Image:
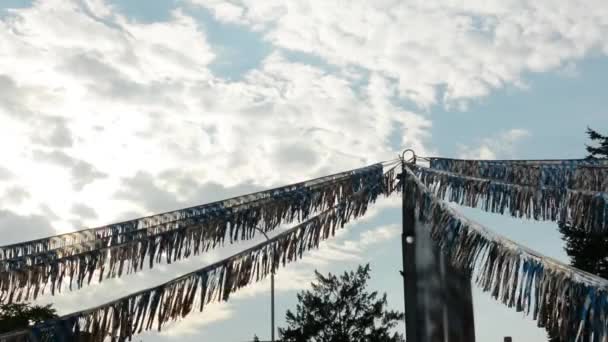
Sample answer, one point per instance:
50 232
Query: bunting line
593 178
577 174
167 221
568 301
154 307
585 209
120 232
26 282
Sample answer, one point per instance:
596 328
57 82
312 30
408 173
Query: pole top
412 159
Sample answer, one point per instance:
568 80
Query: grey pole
271 290
438 302
408 254
272 305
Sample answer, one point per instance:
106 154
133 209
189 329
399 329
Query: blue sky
114 109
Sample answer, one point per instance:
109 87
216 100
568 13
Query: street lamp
271 289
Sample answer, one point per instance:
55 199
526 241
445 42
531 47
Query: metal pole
438 302
408 254
271 288
272 305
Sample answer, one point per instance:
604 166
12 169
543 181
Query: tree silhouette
588 252
16 316
19 316
340 309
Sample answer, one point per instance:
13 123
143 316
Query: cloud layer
107 123
438 51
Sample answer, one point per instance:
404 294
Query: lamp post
271 290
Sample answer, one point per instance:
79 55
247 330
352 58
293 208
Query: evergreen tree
601 151
339 309
587 252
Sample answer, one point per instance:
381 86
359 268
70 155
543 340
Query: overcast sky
116 109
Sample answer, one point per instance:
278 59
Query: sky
115 109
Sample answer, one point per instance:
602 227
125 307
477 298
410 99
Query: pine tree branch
602 150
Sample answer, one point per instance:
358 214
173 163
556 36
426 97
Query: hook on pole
412 159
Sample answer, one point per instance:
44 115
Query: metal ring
412 159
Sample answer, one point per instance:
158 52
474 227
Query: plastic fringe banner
568 301
585 209
555 173
593 178
30 281
123 231
153 308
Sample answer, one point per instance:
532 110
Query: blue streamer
548 173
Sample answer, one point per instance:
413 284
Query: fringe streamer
25 282
553 173
568 301
585 209
321 188
153 308
120 232
593 178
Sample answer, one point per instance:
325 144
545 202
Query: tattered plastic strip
585 209
297 200
570 302
593 178
448 164
118 232
173 300
557 173
36 251
25 282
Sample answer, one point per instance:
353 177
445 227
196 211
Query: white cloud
196 322
440 50
14 227
351 250
136 123
140 100
502 146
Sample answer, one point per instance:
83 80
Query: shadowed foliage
16 316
